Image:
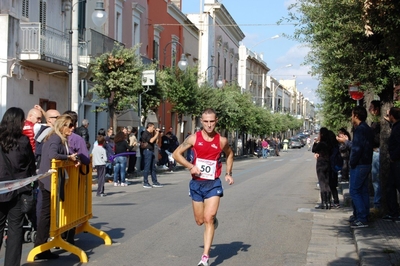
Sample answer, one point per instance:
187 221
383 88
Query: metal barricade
70 207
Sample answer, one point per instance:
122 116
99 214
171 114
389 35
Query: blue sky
257 19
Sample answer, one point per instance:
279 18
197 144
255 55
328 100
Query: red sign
355 93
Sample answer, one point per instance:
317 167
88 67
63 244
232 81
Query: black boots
325 201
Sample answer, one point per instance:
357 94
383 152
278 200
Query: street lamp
182 64
99 17
220 82
270 38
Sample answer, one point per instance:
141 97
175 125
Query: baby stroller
29 225
171 161
29 230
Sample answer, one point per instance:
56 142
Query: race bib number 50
207 168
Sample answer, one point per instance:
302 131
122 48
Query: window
31 87
156 48
25 8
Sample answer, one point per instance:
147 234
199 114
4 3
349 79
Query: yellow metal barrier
74 211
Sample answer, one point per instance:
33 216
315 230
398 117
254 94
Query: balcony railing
39 42
99 43
52 45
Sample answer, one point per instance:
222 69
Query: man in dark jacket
84 132
393 182
360 166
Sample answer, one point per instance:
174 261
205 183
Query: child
99 162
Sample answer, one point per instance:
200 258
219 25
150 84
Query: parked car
302 138
295 143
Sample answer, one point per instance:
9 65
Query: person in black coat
17 156
323 150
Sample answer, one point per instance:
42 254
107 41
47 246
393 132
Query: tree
352 41
181 89
117 77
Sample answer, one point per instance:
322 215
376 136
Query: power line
222 25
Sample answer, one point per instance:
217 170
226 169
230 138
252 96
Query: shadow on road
223 252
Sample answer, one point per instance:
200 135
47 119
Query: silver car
295 143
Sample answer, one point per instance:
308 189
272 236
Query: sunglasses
69 126
55 117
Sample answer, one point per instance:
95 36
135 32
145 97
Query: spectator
84 132
393 182
34 116
99 163
76 144
148 140
375 111
174 143
51 116
133 143
322 149
344 139
54 147
360 167
121 146
165 146
17 161
264 145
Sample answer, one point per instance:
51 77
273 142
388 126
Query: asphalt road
259 222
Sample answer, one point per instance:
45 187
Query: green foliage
350 41
181 89
117 78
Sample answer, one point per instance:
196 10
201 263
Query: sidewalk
378 244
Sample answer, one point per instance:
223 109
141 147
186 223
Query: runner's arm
229 160
178 154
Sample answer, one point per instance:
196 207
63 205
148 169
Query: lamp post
182 64
270 38
220 82
99 17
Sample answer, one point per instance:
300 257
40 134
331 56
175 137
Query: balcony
45 45
50 47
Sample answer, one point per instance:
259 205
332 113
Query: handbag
27 202
27 199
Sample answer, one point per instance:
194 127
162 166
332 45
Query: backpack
39 143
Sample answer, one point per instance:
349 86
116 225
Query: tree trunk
111 112
384 161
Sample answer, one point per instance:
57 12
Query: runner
205 188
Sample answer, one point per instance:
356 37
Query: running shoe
116 184
157 185
147 185
204 261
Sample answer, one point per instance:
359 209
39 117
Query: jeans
11 210
359 191
393 184
120 168
376 182
149 166
264 153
